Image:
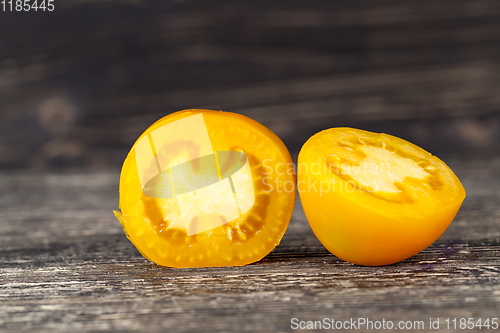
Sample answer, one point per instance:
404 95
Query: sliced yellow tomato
375 199
195 190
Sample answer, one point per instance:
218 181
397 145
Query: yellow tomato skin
369 238
240 242
366 229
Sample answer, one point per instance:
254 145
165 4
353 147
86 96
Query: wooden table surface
77 88
79 85
67 265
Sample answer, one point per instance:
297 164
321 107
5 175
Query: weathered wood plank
77 87
65 264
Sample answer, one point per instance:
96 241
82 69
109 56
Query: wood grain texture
65 264
78 85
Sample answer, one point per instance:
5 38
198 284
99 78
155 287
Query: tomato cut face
194 190
374 199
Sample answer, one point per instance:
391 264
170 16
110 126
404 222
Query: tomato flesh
374 199
192 192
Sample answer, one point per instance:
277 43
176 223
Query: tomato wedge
195 190
375 199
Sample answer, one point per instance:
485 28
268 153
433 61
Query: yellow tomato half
375 199
206 188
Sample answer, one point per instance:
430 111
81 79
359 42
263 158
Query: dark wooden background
78 86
